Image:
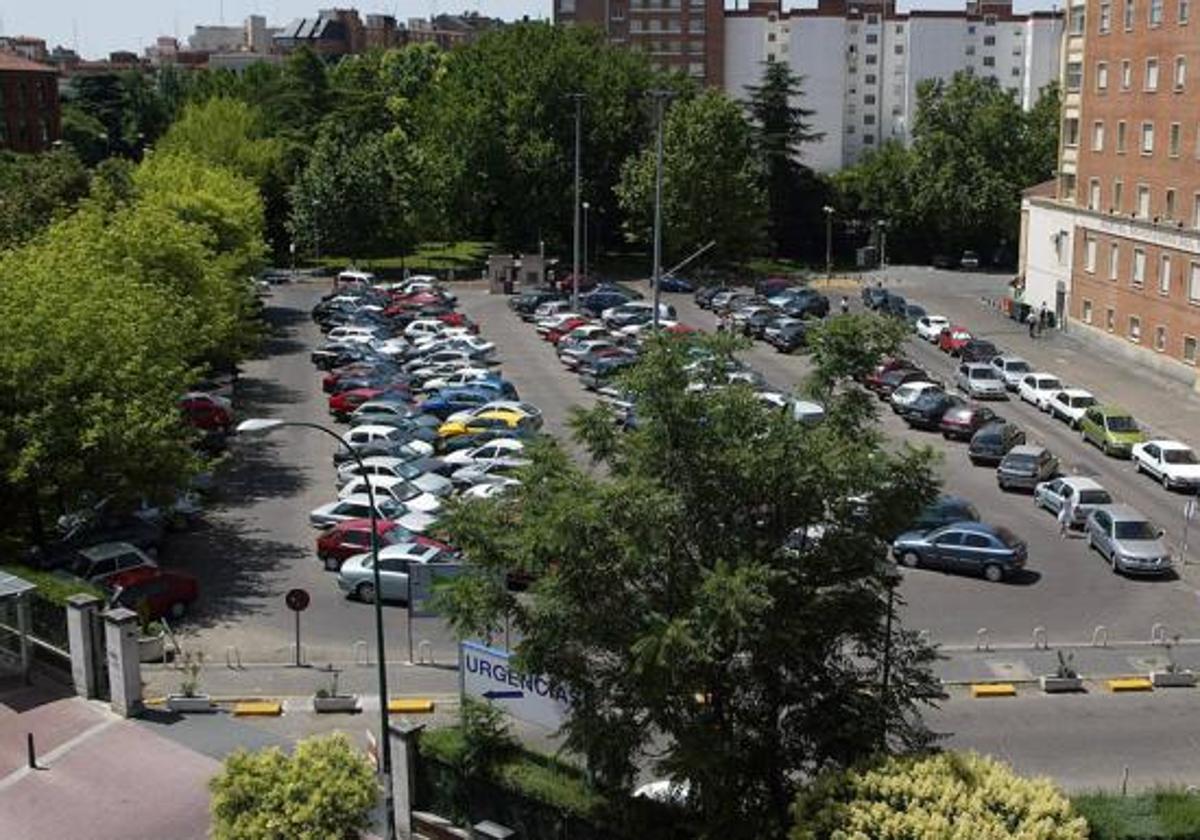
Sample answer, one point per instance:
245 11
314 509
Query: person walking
845 305
1032 321
1066 515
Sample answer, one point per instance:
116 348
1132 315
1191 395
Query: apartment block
1126 205
30 116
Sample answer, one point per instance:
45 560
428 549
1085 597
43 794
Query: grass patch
52 587
1166 814
531 774
469 257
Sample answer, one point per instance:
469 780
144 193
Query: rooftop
12 61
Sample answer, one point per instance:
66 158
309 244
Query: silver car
981 381
1011 369
1086 495
1128 541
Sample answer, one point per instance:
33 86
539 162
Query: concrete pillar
124 665
405 735
81 639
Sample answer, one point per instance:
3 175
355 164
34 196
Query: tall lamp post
263 426
883 226
660 101
578 97
828 240
586 207
317 233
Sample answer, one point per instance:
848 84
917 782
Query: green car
1112 429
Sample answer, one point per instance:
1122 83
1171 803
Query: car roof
102 551
374 428
1043 374
1077 392
382 461
971 525
1124 512
1082 482
1027 449
357 498
364 524
1163 443
1114 410
385 481
977 365
1008 357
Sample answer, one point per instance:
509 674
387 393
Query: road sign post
297 601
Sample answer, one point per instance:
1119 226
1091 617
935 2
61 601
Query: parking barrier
363 658
425 652
981 639
233 658
1039 638
1158 633
1100 636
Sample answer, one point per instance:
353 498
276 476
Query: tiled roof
12 61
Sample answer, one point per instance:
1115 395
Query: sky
98 27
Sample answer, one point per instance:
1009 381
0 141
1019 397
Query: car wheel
365 592
1166 481
993 573
177 610
1104 448
910 559
1037 500
1137 466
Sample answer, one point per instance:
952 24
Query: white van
354 279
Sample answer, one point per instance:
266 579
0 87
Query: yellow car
500 418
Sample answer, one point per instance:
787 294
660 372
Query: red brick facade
29 107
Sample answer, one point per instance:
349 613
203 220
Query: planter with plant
189 698
1065 678
152 640
328 699
1172 676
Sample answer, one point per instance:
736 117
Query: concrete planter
1172 679
1061 685
152 648
337 703
196 703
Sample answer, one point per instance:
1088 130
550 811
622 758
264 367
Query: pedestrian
1066 515
720 323
1043 318
845 305
1032 321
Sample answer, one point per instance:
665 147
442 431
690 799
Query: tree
227 132
945 795
781 128
711 182
34 189
666 602
323 791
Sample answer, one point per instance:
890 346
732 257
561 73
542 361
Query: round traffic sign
297 600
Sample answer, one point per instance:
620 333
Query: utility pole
660 100
828 240
586 207
578 97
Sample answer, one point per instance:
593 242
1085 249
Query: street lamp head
258 426
828 209
586 206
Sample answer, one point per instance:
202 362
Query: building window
989 20
990 40
1094 194
1160 339
1016 71
872 58
1114 259
1120 137
635 25
1126 74
869 99
1105 23
898 49
1180 72
1128 15
1110 319
869 79
1098 136
970 49
1147 138
868 119
696 26
1089 254
1086 313
1196 211
1169 203
1194 283
1164 275
868 139
1074 74
989 61
1143 201
1101 76
872 38
696 68
1189 350
1076 19
1151 74
1139 267
872 20
1173 140
1118 195
1183 11
1135 328
1067 180
1156 12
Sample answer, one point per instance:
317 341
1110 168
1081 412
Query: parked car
671 283
1084 493
515 422
1128 541
873 296
98 563
1070 404
526 409
962 422
419 472
894 305
1012 369
207 412
980 381
806 303
992 442
1025 466
910 392
152 593
893 379
952 339
914 313
705 295
525 303
927 410
964 547
356 577
873 379
978 350
393 487
787 336
1173 463
353 536
945 510
506 450
1038 389
930 327
969 260
354 507
1112 429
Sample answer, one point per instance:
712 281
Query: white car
551 307
1070 404
929 327
572 355
498 486
526 409
544 325
1039 388
1086 494
1011 369
393 487
636 330
910 392
502 449
417 522
1171 462
397 346
429 327
360 436
354 507
387 465
482 472
458 379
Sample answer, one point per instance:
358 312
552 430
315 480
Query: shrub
323 791
948 795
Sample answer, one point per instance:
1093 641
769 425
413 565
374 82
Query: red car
555 335
343 404
874 379
207 412
952 339
157 592
353 536
457 319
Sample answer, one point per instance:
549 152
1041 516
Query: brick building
684 35
1125 214
29 109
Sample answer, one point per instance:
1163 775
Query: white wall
1047 264
745 51
1043 40
817 50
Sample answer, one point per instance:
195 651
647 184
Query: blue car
449 400
500 389
670 283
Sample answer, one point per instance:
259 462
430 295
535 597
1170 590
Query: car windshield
389 509
407 470
1135 530
1121 423
1082 402
1021 461
1046 383
1179 456
1094 497
1016 367
983 373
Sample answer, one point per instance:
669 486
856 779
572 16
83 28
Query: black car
927 411
894 305
978 350
893 379
756 325
789 337
805 303
944 261
773 286
913 313
992 442
705 294
945 510
93 530
874 296
525 302
596 302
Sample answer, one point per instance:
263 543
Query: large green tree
691 639
34 189
712 182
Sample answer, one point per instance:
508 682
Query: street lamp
828 211
882 225
586 207
317 232
660 100
261 426
578 97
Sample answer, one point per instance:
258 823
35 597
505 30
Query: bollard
981 641
1039 638
365 658
425 652
1100 636
33 765
233 658
1158 634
